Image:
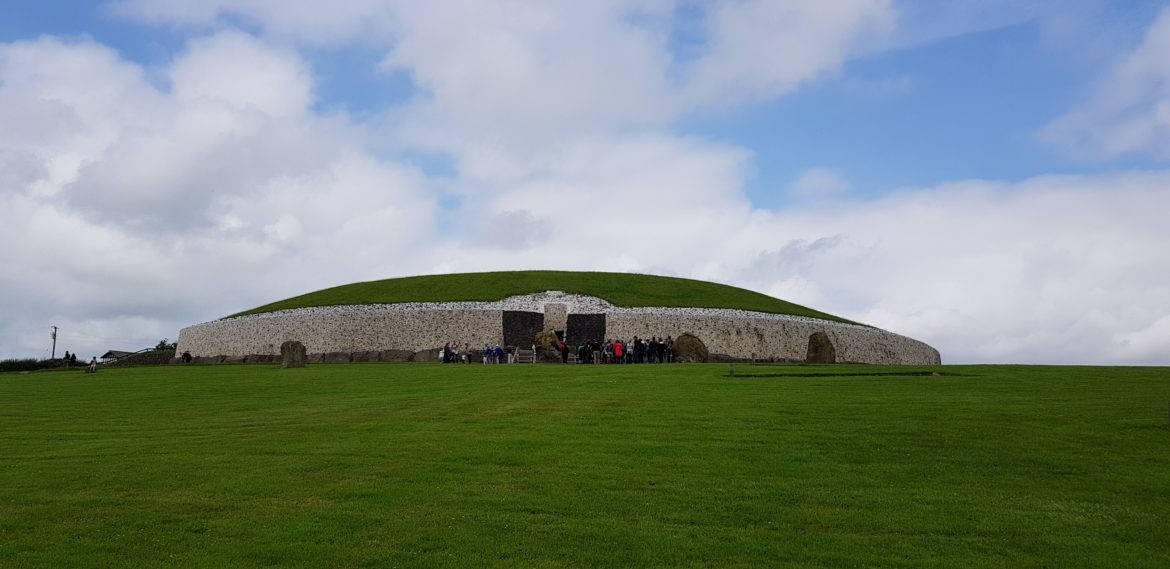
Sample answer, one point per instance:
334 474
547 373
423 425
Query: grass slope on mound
621 289
423 465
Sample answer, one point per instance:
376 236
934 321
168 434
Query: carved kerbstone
547 346
395 355
336 357
366 356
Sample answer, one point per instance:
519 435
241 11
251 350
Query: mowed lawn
401 465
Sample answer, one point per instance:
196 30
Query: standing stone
556 316
292 354
689 348
820 349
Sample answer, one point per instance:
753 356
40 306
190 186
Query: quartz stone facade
415 327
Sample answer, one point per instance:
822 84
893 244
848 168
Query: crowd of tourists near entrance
452 354
639 351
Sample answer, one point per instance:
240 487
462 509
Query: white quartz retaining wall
323 331
423 326
744 335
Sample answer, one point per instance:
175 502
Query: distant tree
163 345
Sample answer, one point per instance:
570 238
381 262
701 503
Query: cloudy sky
989 176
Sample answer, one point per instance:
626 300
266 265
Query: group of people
71 360
653 350
639 351
451 354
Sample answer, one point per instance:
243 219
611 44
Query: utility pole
54 336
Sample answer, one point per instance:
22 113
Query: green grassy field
621 289
421 465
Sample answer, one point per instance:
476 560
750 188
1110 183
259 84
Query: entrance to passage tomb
820 349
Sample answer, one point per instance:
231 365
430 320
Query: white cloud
138 209
819 182
237 70
1129 113
307 20
925 21
760 49
518 67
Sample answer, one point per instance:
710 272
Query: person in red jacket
618 351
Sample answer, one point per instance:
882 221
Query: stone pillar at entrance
556 316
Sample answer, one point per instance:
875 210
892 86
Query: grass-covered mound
621 289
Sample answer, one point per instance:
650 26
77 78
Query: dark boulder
547 347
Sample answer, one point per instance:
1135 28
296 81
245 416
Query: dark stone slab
395 355
260 359
582 327
521 328
426 356
820 349
234 359
207 359
364 357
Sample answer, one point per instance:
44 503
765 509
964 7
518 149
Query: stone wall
415 327
745 335
330 331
